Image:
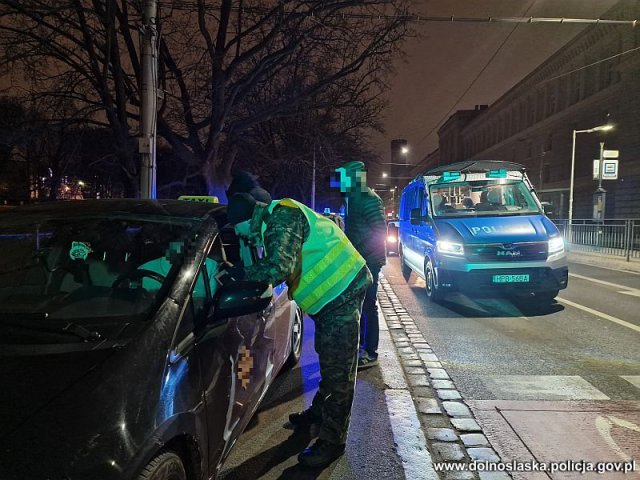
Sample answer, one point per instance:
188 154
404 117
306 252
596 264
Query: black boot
321 454
306 418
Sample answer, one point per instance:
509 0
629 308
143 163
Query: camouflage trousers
337 342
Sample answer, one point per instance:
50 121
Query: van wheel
406 270
433 292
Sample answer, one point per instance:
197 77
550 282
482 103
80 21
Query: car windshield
85 278
482 198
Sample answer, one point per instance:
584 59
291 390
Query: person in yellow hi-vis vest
328 279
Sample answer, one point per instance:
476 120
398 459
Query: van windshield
482 198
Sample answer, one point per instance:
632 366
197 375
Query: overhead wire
602 60
184 5
473 82
518 20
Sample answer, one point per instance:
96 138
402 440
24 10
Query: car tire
165 466
297 333
406 270
433 292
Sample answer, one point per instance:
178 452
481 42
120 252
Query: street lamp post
600 128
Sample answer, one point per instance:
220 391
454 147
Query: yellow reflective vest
329 261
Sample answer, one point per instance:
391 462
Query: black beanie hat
242 182
261 195
240 208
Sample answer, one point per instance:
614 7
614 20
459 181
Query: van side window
422 202
406 203
411 202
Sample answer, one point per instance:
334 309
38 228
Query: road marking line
632 379
600 314
605 424
602 282
633 294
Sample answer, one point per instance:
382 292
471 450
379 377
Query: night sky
441 65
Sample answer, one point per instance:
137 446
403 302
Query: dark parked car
125 353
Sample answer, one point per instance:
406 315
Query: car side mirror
416 216
241 298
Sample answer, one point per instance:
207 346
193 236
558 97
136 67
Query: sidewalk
454 437
601 260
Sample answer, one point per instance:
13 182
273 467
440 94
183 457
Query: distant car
124 353
391 241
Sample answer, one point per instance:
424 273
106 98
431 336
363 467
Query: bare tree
226 69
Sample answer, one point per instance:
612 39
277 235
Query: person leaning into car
328 279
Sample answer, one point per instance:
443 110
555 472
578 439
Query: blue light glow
175 374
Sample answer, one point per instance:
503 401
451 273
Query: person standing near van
366 227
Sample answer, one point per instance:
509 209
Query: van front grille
506 252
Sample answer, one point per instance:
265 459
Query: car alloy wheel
297 332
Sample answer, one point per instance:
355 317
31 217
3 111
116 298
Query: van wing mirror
416 216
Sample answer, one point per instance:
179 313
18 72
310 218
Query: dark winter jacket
365 226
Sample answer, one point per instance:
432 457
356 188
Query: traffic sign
609 169
611 154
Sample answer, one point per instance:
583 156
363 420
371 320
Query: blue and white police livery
478 225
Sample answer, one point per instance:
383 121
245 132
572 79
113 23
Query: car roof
476 166
125 207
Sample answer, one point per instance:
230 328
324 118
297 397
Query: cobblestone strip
453 435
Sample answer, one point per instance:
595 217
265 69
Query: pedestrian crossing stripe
541 387
632 379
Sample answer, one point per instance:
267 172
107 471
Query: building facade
591 81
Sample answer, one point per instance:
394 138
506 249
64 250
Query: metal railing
619 238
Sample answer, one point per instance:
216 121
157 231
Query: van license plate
510 278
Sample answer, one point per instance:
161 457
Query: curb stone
453 435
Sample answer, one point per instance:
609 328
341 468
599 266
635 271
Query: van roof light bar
499 173
477 166
448 176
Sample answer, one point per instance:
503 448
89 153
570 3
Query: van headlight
450 248
556 245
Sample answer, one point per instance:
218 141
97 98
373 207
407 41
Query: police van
478 225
